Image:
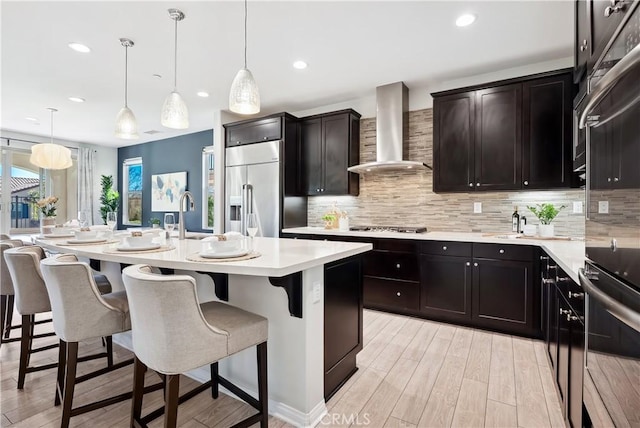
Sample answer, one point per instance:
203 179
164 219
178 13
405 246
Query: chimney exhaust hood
392 130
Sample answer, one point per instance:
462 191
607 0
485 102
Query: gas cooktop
402 229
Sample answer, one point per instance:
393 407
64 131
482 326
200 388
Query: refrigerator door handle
247 206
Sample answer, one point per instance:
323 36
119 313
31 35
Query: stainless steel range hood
392 130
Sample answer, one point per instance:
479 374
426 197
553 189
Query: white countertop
569 255
279 257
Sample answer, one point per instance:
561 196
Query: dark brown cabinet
342 321
446 287
254 131
330 144
508 135
547 132
582 47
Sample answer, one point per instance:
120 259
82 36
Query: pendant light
126 124
50 155
244 97
174 110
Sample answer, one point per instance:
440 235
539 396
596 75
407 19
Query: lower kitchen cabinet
392 294
503 295
445 291
342 321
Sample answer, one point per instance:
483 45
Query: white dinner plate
208 254
87 241
58 235
124 247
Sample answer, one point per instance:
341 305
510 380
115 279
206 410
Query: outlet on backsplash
477 207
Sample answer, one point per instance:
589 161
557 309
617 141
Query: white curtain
86 167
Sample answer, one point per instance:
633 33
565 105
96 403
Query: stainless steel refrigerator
253 183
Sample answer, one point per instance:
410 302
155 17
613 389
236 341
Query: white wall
420 98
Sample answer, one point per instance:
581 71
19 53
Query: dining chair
174 333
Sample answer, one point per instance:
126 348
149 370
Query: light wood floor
412 373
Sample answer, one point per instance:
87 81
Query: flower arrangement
48 206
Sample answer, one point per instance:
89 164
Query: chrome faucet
191 207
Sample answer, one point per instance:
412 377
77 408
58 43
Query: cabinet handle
616 179
501 251
572 317
475 264
553 267
398 266
317 190
526 183
564 311
576 295
563 279
477 184
444 248
548 281
609 179
265 138
470 184
614 244
468 263
611 10
544 258
583 46
398 294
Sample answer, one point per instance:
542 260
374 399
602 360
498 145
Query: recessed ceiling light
76 99
79 47
203 94
31 119
300 65
466 19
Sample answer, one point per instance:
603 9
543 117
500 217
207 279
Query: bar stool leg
62 364
109 340
69 383
139 370
3 314
9 316
215 380
24 350
171 401
32 327
263 396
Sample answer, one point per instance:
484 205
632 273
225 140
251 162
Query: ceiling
351 47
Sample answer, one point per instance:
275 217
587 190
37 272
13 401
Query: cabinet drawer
387 264
395 245
503 252
254 132
447 248
391 294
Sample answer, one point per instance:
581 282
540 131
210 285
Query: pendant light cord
51 125
175 58
126 72
245 34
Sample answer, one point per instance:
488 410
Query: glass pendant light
244 97
126 124
174 110
50 155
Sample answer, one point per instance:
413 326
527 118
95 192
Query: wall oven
610 113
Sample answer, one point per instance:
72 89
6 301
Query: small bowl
86 234
224 246
139 241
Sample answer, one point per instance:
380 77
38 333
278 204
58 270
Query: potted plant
329 220
109 198
47 207
154 222
546 213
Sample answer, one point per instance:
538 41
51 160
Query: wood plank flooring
413 373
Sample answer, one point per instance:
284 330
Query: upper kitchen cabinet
582 51
509 135
330 143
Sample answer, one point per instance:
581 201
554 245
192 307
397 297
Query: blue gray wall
176 154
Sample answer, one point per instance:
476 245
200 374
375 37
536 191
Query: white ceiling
351 47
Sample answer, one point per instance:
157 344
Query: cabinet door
564 341
453 142
503 295
547 126
312 154
576 371
605 18
446 287
498 138
552 343
254 131
625 149
582 40
335 133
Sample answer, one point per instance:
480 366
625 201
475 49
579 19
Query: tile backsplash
407 199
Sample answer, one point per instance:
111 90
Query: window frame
208 164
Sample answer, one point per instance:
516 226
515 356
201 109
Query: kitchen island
310 291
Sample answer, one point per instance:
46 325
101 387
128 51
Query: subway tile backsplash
407 198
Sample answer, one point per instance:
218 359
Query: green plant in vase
109 197
546 213
154 222
329 220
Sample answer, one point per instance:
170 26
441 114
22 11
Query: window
132 191
208 186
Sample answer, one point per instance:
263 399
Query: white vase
47 224
546 230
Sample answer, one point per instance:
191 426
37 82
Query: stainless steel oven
611 115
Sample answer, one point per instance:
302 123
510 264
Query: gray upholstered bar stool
7 295
31 298
81 312
173 333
